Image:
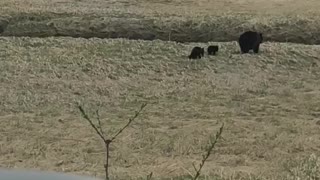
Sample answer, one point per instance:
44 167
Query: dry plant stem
106 165
91 123
130 121
101 133
149 176
209 149
99 121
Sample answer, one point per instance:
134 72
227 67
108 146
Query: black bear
196 52
250 40
212 50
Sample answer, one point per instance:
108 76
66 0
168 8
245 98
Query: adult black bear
250 40
212 50
196 52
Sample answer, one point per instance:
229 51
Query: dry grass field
269 102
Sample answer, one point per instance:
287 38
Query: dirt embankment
296 29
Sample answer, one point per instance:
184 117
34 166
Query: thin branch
99 123
106 141
149 176
209 149
91 123
106 166
129 122
194 167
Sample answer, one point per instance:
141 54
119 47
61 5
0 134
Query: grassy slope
183 21
269 102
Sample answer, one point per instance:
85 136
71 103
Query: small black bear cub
250 40
212 50
196 52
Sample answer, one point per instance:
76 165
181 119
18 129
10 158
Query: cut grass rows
187 21
218 27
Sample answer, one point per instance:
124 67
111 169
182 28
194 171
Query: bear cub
212 50
250 40
196 52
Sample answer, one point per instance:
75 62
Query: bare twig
194 167
91 123
99 122
149 176
129 122
106 165
100 132
212 144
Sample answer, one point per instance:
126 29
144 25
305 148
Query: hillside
55 54
268 102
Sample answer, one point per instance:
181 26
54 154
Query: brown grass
268 102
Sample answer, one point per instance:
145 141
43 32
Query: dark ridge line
144 39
